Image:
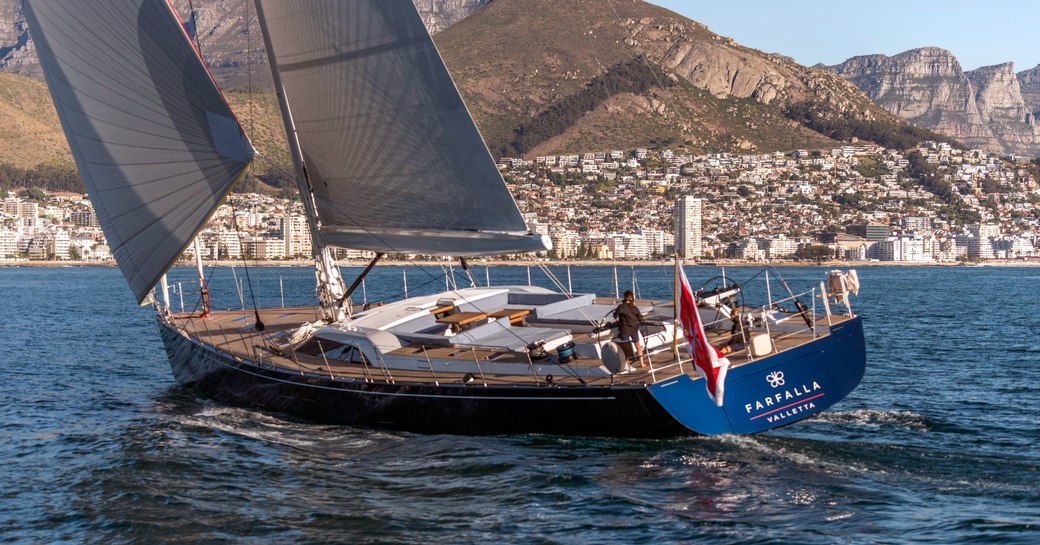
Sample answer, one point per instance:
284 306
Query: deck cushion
501 335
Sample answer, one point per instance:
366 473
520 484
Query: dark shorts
628 337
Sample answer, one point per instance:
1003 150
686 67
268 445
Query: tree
869 167
829 121
849 200
634 76
814 252
921 169
34 194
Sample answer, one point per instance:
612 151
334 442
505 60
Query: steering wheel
719 284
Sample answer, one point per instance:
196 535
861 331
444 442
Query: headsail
394 158
155 142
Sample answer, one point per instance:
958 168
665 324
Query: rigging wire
259 325
604 81
559 285
249 72
195 28
245 267
646 60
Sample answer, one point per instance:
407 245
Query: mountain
990 108
542 76
229 45
1029 83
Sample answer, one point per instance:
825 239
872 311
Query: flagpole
675 309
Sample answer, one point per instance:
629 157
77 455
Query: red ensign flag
706 357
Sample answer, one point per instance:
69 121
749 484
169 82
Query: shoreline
529 263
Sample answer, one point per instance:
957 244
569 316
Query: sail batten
351 55
155 141
387 141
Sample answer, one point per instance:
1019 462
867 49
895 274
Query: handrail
326 359
382 364
364 366
762 310
480 371
430 363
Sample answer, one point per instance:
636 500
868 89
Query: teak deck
235 332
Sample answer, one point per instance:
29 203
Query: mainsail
394 159
155 142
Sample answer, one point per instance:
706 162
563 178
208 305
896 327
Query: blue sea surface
937 445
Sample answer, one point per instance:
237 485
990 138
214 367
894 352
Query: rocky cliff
1029 82
986 108
441 14
229 45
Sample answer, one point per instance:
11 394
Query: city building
297 235
870 231
688 227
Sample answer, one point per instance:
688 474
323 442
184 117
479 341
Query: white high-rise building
8 243
688 227
19 208
297 235
658 241
565 242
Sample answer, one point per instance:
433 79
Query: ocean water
938 445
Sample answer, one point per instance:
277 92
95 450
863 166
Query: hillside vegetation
635 76
30 134
34 152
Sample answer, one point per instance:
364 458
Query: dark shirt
629 318
737 332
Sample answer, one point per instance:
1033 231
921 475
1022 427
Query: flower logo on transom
776 379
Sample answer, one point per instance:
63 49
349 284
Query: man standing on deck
629 319
738 334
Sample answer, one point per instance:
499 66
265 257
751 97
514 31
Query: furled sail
394 158
155 142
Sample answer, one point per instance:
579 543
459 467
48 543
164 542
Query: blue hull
774 391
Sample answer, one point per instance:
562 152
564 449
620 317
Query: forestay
156 144
394 158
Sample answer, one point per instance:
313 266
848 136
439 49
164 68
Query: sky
978 32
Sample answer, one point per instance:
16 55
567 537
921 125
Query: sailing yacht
389 160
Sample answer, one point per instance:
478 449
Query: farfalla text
780 397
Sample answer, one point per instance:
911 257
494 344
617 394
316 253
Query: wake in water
193 415
877 419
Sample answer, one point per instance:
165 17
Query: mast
330 286
675 308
